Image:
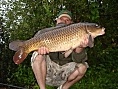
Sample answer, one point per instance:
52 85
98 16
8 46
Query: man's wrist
79 50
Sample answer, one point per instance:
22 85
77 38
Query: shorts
56 74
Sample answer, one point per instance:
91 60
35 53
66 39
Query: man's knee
39 59
81 69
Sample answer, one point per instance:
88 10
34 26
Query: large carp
59 39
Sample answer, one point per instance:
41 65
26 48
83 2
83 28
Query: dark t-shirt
59 58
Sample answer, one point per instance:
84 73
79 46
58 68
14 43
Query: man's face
64 20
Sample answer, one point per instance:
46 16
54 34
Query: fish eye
96 25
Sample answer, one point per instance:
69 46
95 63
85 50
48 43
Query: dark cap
65 13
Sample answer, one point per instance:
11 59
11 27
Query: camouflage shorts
56 74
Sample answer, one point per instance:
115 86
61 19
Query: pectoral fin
68 52
91 41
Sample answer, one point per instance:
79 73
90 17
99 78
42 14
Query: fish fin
49 29
19 56
68 52
14 45
91 41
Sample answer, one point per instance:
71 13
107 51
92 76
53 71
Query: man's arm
78 49
79 54
82 45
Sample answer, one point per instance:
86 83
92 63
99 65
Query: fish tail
19 56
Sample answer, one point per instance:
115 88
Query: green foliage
24 75
24 18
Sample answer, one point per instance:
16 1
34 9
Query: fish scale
58 39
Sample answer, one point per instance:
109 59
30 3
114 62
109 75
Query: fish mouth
103 30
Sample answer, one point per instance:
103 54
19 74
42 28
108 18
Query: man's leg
75 76
39 69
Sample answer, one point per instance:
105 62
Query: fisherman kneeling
55 69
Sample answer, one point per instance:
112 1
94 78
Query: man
54 68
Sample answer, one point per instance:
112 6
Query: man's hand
83 44
43 51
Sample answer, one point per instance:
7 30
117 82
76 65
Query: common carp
60 39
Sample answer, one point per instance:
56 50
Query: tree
23 18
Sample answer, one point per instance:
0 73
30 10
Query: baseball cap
65 13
